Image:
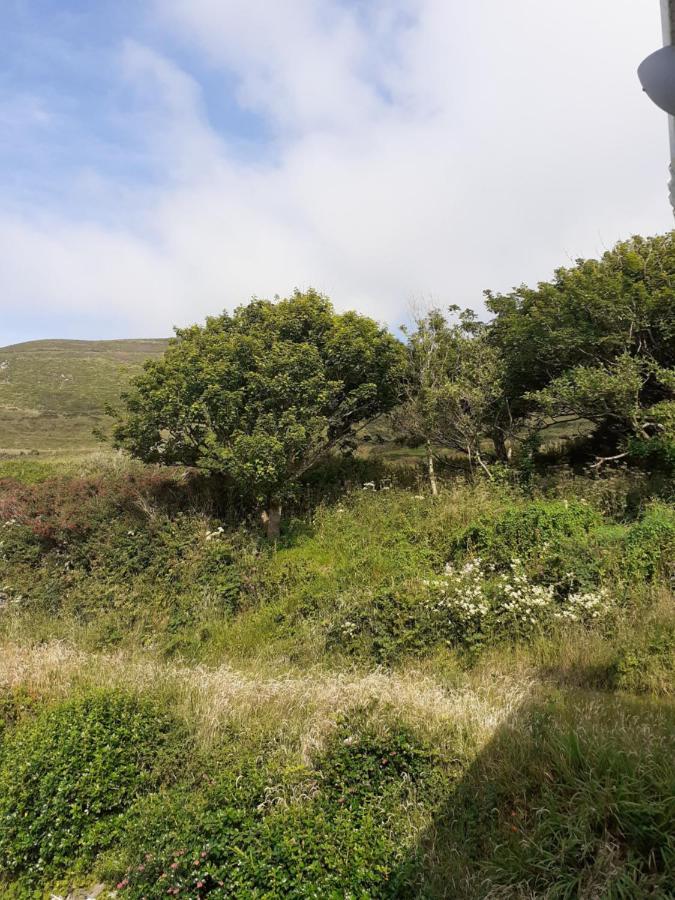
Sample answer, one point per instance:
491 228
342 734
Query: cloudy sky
165 159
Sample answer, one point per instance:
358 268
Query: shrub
62 511
521 531
66 777
470 607
646 663
291 832
657 453
650 544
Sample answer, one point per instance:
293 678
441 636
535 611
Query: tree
618 396
259 396
587 318
454 388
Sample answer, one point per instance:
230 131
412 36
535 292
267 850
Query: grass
53 393
582 775
343 740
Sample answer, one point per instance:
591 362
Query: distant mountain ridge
53 392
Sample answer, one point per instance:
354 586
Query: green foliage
331 832
646 663
657 452
258 810
132 579
261 395
594 311
522 532
357 580
15 704
68 775
454 395
650 544
613 396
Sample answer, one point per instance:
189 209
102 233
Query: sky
164 160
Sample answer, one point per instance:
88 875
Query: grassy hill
53 393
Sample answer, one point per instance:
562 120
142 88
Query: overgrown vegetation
445 679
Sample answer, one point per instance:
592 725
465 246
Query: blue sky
160 161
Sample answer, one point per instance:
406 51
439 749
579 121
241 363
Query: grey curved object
657 76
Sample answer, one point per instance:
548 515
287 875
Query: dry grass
295 708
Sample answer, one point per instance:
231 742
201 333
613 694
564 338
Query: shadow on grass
573 798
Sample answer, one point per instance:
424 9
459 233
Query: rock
85 893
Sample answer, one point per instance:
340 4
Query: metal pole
668 20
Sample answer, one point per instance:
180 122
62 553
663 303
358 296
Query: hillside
53 393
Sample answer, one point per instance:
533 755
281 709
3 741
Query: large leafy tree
259 396
568 344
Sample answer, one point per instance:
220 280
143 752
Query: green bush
646 663
650 544
657 453
68 775
290 832
523 531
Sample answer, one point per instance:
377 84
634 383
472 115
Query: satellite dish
657 76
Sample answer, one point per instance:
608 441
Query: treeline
260 396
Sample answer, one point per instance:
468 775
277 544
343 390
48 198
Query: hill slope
53 393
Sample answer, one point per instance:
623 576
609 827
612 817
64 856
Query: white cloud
419 147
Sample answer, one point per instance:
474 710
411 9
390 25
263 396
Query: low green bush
332 829
523 531
657 453
646 662
472 608
68 775
650 544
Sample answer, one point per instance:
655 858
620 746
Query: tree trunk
271 519
502 451
432 471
